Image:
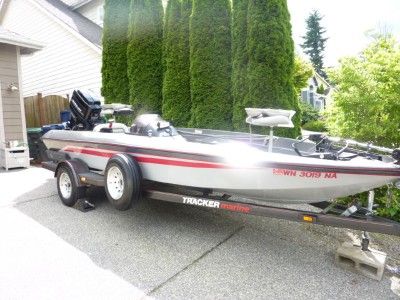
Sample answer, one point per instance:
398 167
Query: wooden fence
40 110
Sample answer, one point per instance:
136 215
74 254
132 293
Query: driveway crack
156 288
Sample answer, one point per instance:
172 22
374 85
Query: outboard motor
85 110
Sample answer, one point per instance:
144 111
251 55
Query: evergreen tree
271 59
314 42
145 55
115 87
176 88
210 59
239 65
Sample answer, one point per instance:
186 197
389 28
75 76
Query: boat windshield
152 125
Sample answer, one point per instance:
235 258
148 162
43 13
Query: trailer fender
77 167
57 156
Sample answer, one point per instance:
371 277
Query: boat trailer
331 217
353 217
366 261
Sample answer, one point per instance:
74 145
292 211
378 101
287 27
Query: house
318 92
13 138
71 32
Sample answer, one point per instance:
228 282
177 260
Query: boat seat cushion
270 117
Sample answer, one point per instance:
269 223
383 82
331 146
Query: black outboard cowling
85 110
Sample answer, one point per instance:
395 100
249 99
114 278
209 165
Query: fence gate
40 110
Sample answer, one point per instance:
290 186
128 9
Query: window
318 105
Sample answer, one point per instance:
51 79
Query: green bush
210 64
176 86
115 85
366 103
321 89
239 63
308 113
316 125
270 65
391 209
303 70
144 55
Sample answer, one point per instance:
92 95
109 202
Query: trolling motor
336 146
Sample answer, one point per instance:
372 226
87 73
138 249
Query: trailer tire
68 191
123 181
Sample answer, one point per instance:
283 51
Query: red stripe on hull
170 162
145 159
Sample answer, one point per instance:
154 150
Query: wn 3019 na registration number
304 174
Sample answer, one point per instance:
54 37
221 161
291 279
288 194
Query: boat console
152 125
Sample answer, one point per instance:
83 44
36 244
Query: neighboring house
12 113
318 93
71 32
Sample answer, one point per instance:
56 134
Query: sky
346 22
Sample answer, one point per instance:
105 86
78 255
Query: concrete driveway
167 251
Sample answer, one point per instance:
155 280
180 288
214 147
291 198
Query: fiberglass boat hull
232 168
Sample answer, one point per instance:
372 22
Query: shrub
115 85
176 87
316 125
210 64
270 66
239 63
308 113
144 55
366 104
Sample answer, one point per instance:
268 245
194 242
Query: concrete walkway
35 262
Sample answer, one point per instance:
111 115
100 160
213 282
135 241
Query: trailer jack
361 258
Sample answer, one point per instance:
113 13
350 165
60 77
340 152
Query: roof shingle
72 3
85 27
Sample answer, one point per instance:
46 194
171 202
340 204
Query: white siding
92 11
64 64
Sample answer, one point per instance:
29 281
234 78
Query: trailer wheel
123 180
66 186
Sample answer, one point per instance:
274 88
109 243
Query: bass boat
263 169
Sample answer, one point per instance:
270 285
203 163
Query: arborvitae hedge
176 86
115 86
271 58
144 54
239 65
210 58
